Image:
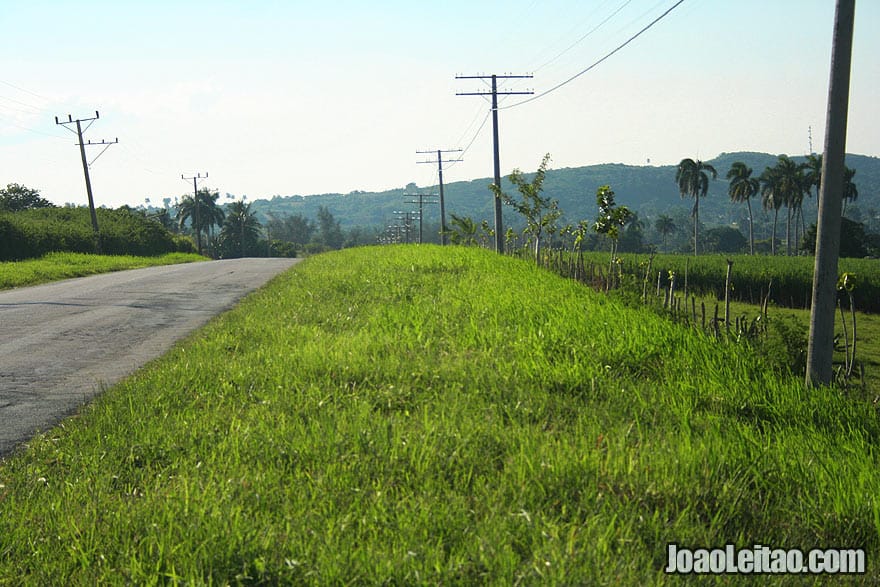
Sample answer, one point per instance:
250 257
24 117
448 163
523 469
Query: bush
31 234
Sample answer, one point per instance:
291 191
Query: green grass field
427 415
55 266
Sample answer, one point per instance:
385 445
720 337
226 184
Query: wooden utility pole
196 224
82 151
499 229
821 340
440 163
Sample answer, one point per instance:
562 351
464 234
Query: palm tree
692 178
203 218
790 190
665 225
850 191
812 178
771 199
741 188
241 230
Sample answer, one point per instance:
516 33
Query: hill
648 190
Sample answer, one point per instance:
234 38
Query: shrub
30 234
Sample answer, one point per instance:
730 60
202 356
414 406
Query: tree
789 187
788 184
692 178
850 191
632 237
462 230
292 228
163 217
240 234
611 217
812 178
771 199
742 188
15 197
724 239
854 239
209 214
329 230
665 225
540 213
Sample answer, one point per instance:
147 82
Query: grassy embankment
55 266
427 415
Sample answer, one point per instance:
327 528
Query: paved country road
63 342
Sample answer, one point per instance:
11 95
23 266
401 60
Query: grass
791 277
55 266
428 415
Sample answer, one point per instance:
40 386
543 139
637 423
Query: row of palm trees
785 184
239 227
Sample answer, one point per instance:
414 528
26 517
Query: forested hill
648 190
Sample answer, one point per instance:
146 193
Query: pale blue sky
314 97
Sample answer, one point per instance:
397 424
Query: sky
298 98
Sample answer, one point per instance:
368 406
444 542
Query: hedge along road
63 342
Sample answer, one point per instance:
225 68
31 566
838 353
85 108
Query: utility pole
406 218
499 230
82 151
420 202
196 224
440 163
820 348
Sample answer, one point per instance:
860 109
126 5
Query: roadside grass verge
55 266
428 415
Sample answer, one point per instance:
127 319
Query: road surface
63 342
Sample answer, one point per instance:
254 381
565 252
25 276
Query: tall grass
414 415
55 266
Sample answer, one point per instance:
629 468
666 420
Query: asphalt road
63 342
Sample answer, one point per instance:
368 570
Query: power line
583 37
476 134
20 89
579 74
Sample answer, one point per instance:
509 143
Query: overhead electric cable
579 74
580 40
474 138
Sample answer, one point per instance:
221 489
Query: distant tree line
31 226
783 186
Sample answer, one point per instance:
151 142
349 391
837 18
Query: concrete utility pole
82 151
421 203
196 224
499 229
820 349
440 163
406 217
